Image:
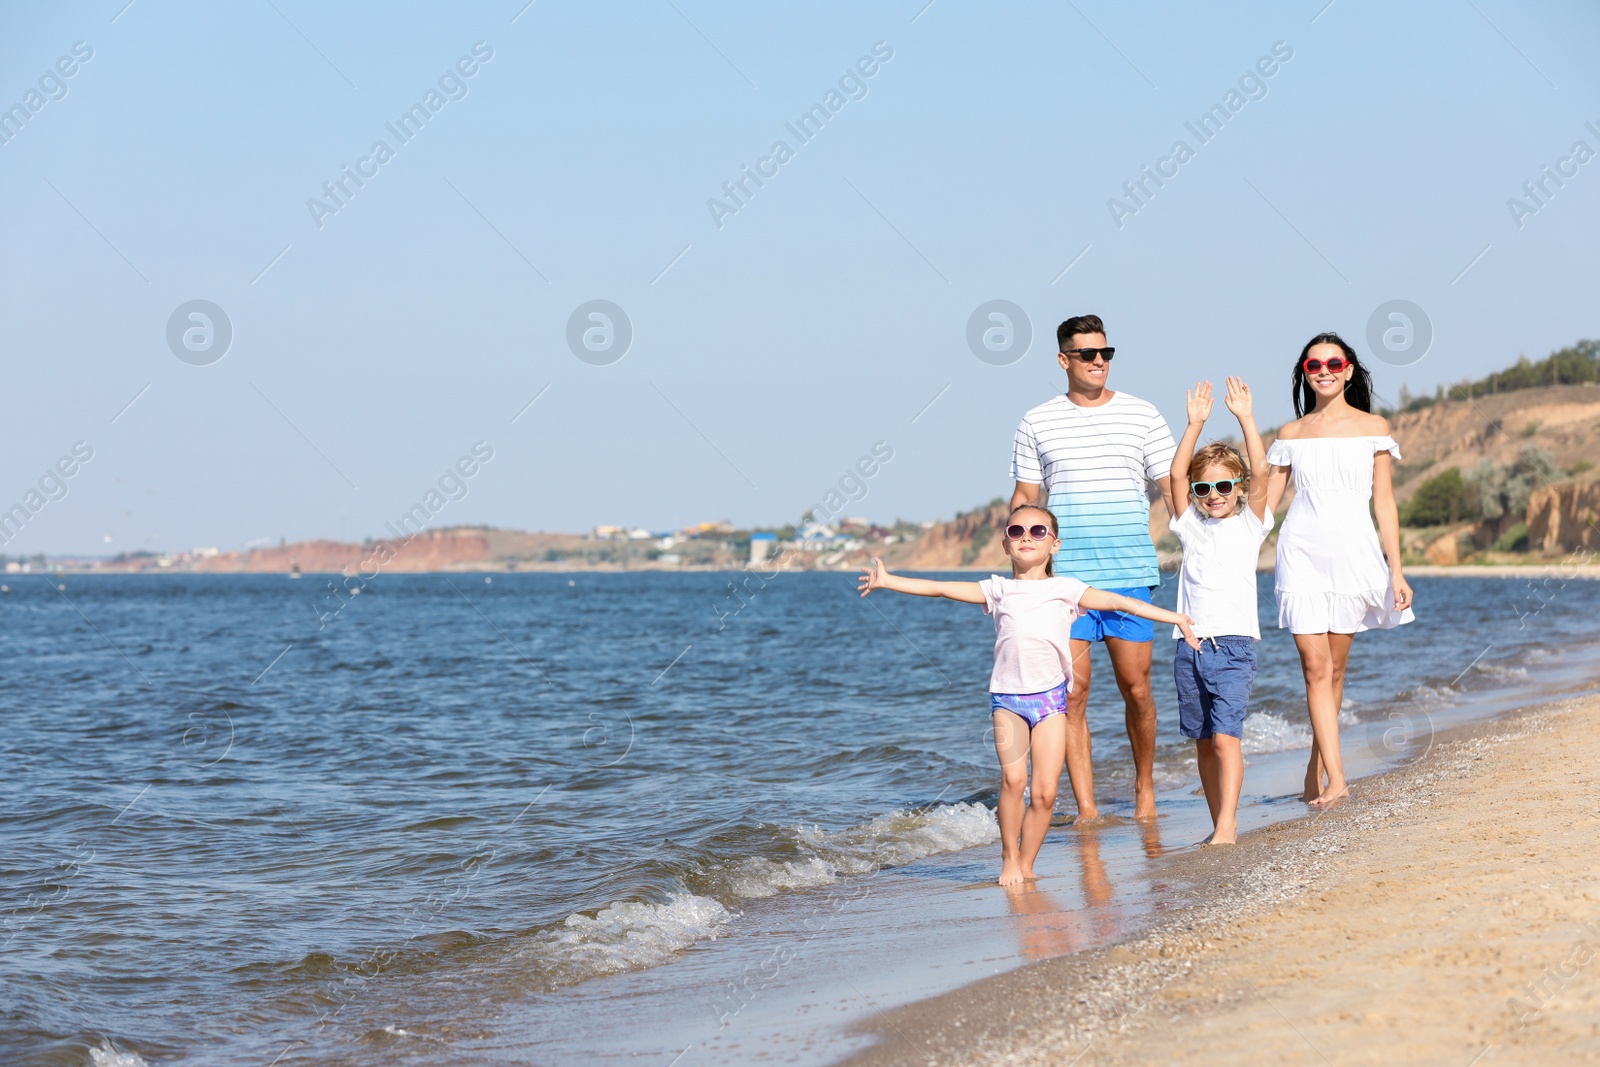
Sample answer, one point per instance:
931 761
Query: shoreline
1542 569
1397 927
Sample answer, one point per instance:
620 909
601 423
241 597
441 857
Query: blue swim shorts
1099 625
1033 708
1214 685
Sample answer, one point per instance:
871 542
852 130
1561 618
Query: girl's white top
1217 585
1332 577
1032 621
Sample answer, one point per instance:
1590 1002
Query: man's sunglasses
1223 488
1336 364
1039 532
1088 354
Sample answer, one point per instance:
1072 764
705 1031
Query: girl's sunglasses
1039 532
1223 488
1336 364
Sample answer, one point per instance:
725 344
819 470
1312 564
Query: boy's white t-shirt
1032 624
1217 585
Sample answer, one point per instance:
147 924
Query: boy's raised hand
872 577
1238 399
1199 403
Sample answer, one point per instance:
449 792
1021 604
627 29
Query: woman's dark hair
1055 528
1357 391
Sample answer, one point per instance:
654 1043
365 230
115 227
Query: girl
1033 611
1332 581
1221 535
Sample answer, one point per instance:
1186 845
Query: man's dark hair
1077 324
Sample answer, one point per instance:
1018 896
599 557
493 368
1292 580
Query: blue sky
768 353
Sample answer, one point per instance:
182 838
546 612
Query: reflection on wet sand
1096 886
1047 929
1043 926
1150 838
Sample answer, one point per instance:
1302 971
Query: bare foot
1313 787
1330 797
1011 873
1085 820
1145 806
1225 834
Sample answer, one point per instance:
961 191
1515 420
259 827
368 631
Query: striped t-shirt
1093 463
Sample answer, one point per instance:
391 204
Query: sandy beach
1449 913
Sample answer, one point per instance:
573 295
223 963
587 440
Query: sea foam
629 935
108 1055
632 935
1265 732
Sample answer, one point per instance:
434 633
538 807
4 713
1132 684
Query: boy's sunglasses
1039 532
1223 488
1087 354
1336 364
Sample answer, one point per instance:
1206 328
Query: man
1088 456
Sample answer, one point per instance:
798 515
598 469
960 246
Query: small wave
891 840
1430 696
108 1055
627 936
1174 774
1499 672
1265 732
756 877
906 836
632 935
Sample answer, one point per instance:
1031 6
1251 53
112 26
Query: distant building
607 533
761 546
816 537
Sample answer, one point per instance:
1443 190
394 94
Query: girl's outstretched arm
877 576
1243 409
1100 600
1198 404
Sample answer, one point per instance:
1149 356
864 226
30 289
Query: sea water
557 818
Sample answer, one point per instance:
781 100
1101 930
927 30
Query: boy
1221 535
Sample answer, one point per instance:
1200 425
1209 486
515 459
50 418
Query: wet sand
1449 913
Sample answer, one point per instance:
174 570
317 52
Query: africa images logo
452 86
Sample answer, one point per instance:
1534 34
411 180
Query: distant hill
1562 512
1563 420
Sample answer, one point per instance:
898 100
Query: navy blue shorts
1099 625
1214 685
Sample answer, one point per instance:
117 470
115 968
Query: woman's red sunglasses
1336 364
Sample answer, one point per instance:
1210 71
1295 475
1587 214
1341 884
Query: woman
1332 581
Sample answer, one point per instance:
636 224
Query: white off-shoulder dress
1331 574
